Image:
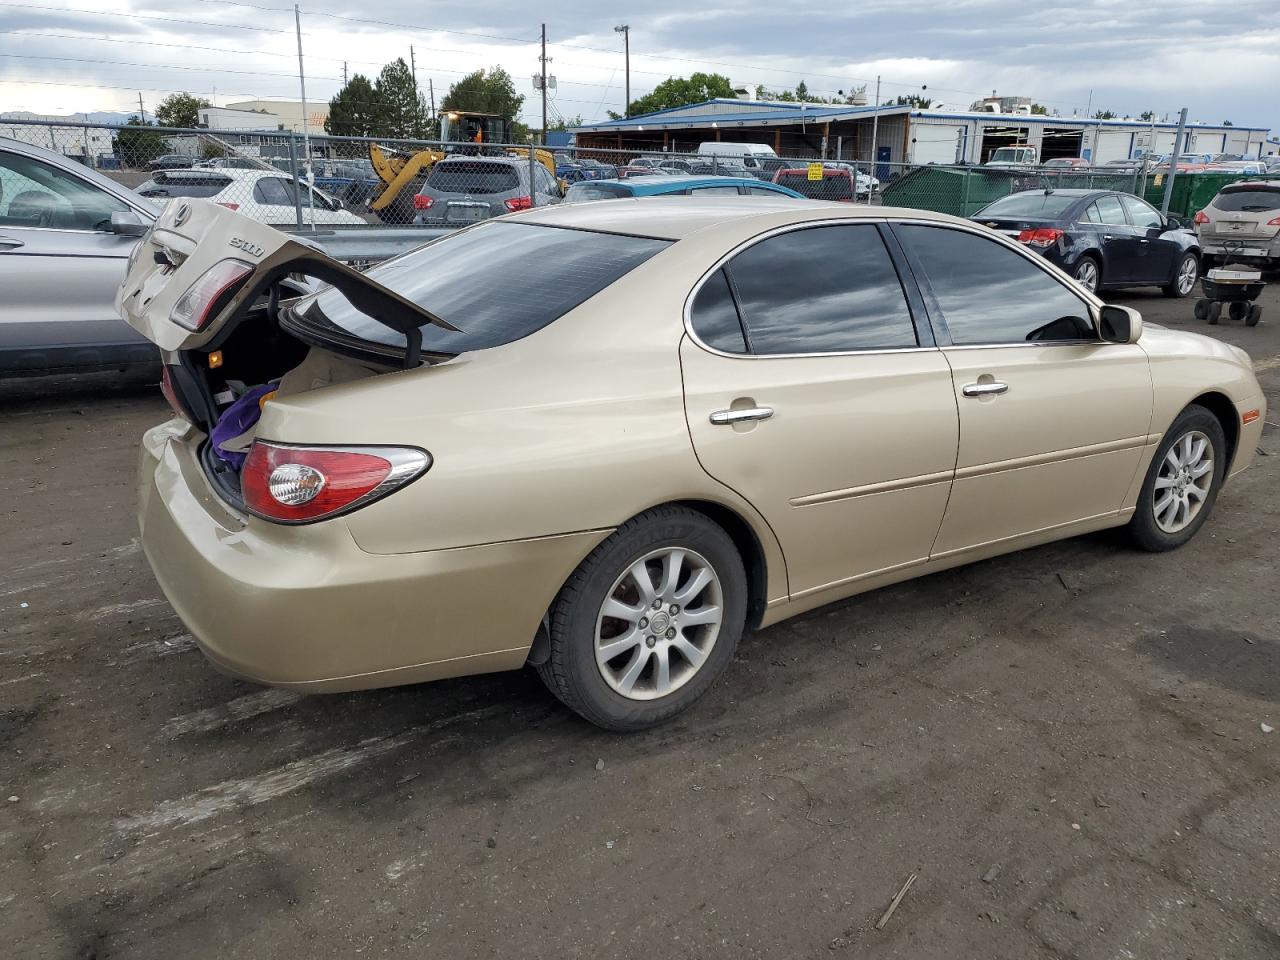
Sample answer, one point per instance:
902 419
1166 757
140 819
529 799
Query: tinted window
165 185
715 318
497 283
716 191
473 176
1110 211
1039 204
1142 214
1247 199
764 192
1091 214
589 190
34 194
273 190
821 290
990 294
833 186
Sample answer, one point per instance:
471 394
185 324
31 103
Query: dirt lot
1065 745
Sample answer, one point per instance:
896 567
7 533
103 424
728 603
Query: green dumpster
1193 191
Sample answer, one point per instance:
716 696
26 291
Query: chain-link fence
330 183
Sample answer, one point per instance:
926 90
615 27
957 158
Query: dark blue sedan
1103 238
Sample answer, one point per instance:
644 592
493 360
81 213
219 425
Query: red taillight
302 484
194 308
518 203
1041 236
171 395
1274 222
422 203
1200 217
228 205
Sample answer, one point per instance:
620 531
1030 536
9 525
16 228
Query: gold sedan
604 439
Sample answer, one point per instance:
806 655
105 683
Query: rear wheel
1182 482
648 621
1184 277
1087 273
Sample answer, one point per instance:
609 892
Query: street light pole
625 30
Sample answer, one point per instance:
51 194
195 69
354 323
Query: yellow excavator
402 171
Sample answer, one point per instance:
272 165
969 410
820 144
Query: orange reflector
1250 415
215 360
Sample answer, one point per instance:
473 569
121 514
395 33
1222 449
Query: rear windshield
596 191
1037 205
497 283
473 176
833 186
184 185
1250 198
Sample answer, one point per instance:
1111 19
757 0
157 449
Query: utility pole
1173 162
543 83
344 73
875 136
142 114
417 97
431 90
306 133
625 30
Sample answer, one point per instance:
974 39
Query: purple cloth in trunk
235 420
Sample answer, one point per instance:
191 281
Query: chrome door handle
722 417
984 389
1144 241
1106 236
8 243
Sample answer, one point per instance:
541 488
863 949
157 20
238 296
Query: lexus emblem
182 214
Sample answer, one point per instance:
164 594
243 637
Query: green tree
137 146
1104 115
802 91
677 92
1039 110
180 110
485 91
1147 115
400 110
913 100
566 123
353 110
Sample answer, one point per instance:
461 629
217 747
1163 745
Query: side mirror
1120 324
126 223
1174 223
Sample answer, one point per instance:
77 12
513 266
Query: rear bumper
1242 249
306 608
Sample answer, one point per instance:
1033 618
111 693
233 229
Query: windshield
1253 199
595 191
1037 205
1010 154
834 185
497 282
184 185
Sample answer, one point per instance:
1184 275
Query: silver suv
462 190
1242 222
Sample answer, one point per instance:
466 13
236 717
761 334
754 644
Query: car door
809 391
1158 248
1052 419
1119 241
60 266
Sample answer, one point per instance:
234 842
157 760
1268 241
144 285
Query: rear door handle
984 389
8 243
1106 236
723 417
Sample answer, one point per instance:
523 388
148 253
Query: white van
758 158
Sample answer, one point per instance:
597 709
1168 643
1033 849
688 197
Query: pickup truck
1012 157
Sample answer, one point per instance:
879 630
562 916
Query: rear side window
273 190
715 191
822 290
715 316
477 177
498 282
596 191
1110 211
1247 199
184 185
990 294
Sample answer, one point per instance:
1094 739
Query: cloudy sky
1220 58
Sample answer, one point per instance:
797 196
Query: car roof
233 173
1077 192
684 182
674 218
487 158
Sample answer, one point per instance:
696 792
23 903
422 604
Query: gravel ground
1064 746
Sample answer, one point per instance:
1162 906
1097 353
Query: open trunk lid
202 266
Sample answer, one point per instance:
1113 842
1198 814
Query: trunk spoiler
191 237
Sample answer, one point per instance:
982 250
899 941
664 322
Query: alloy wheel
1187 275
658 623
1087 275
1184 481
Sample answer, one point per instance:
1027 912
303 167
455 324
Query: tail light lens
422 203
228 205
288 484
194 308
1274 222
1041 236
518 203
1200 217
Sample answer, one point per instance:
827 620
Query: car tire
1160 524
1088 273
1214 313
623 692
1185 275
